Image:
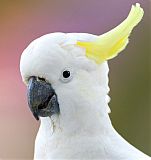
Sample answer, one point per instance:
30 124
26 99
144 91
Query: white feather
83 129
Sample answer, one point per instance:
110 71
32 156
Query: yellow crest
108 45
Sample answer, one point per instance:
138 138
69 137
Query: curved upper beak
42 99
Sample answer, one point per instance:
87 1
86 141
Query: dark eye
66 74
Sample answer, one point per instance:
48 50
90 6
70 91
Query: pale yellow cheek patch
110 44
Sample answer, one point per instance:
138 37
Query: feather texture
83 129
108 45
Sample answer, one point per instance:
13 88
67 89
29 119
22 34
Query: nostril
41 79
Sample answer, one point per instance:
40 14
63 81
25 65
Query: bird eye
66 75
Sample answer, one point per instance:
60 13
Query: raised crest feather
110 44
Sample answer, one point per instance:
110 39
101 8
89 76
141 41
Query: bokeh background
21 21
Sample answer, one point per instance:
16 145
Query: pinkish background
21 21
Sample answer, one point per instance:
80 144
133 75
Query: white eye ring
66 75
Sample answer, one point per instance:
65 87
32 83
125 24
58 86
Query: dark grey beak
42 99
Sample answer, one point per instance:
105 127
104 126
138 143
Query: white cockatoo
67 79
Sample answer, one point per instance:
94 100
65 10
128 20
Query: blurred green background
21 21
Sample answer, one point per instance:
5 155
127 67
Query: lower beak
42 99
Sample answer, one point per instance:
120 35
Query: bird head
67 73
60 78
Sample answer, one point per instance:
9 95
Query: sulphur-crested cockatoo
67 79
